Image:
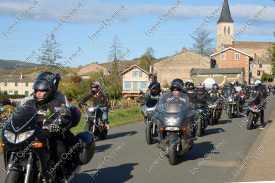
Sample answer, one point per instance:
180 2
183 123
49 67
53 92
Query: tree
50 53
147 59
115 53
271 52
202 43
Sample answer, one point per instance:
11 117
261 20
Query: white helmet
257 82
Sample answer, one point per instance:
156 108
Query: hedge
11 96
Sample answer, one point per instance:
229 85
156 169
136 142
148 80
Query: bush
11 96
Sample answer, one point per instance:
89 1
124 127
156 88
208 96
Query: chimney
150 69
21 76
184 49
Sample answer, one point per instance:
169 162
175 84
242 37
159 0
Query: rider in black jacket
100 98
201 96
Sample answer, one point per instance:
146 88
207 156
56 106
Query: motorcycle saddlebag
87 147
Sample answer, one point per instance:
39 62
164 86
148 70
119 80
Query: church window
228 30
224 30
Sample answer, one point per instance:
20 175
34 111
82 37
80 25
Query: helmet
49 76
258 83
187 83
76 116
96 85
154 88
176 84
191 86
200 88
236 83
215 86
46 85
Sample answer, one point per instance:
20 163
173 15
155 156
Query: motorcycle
214 113
148 110
174 119
27 152
253 114
242 98
203 120
231 105
94 122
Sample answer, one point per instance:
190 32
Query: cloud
96 12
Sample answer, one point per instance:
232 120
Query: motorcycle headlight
91 109
23 136
9 136
230 99
172 128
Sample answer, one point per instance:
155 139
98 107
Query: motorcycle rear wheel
199 128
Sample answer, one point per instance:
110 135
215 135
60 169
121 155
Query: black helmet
75 115
176 84
154 88
189 86
55 77
45 85
236 83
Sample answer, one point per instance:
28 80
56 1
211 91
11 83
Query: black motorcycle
94 122
27 152
203 119
254 111
174 119
231 105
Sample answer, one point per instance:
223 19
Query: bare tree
203 44
50 53
115 53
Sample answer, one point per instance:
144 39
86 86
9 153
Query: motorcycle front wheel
148 134
172 153
199 128
250 122
15 177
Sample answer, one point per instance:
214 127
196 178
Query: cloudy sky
92 25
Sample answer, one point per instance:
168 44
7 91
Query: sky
86 28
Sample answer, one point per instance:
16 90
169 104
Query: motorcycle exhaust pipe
29 166
193 138
10 162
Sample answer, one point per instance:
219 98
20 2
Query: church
230 53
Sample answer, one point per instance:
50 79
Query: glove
5 102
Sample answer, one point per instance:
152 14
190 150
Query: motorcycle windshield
22 116
176 105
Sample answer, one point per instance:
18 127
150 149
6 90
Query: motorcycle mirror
3 109
61 110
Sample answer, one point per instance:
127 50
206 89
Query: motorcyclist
44 101
153 92
216 96
190 90
237 86
260 96
201 96
100 98
55 77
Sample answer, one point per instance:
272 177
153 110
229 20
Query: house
16 85
135 79
89 69
216 75
227 39
179 66
232 58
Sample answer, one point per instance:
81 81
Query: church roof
225 14
249 44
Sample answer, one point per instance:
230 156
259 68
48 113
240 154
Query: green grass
116 118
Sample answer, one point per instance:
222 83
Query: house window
26 93
223 56
6 84
137 73
224 30
258 73
140 73
15 92
255 55
228 30
127 85
16 84
10 92
27 84
5 92
237 56
142 85
260 65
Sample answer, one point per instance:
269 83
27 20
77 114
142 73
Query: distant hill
10 64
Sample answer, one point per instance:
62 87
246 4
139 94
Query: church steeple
225 28
225 14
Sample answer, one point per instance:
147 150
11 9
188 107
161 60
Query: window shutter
134 73
140 73
260 65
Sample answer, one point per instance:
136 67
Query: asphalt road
125 157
